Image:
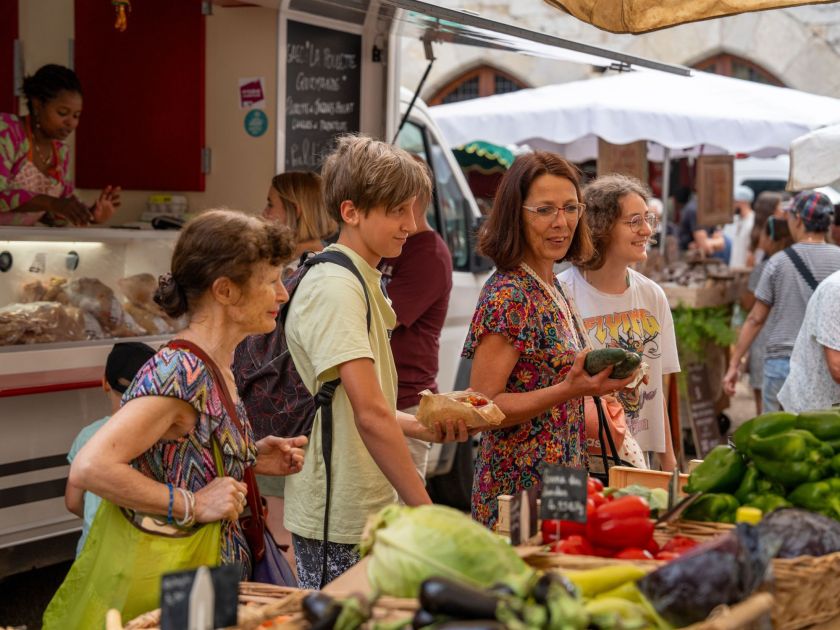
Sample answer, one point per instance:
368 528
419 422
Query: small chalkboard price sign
563 493
181 591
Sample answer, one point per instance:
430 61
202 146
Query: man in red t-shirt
418 283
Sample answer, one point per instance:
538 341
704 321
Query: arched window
481 81
738 67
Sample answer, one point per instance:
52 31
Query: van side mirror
478 263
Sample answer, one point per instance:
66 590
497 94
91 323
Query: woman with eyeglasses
526 341
621 308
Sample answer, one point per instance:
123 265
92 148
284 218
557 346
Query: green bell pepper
768 502
713 507
790 473
749 482
761 426
835 464
824 424
793 445
754 485
821 496
721 471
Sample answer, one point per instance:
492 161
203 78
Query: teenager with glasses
621 308
525 340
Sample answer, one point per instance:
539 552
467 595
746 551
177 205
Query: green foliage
694 327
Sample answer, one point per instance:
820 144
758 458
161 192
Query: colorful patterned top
515 305
20 179
188 462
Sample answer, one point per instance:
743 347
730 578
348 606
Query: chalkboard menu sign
704 420
323 89
563 493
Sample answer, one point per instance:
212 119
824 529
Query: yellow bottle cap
747 514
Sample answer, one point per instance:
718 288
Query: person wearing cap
740 230
786 284
123 363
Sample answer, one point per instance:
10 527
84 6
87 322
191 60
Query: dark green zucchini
628 366
599 360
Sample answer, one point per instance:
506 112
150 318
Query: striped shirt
785 291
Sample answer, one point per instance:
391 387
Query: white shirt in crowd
809 384
739 232
639 320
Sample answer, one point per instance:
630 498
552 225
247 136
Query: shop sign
252 93
256 123
714 190
563 493
627 159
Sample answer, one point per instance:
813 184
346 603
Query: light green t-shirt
325 327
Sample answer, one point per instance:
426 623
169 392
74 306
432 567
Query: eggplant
441 596
500 588
321 610
542 588
423 619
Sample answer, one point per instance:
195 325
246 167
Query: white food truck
337 71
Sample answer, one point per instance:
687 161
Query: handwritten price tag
563 493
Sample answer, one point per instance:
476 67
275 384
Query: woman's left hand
280 456
106 205
443 432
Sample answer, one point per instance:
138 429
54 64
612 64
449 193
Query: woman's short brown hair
764 207
371 173
219 244
303 191
502 237
603 209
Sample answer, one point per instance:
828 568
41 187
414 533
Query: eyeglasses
549 212
636 222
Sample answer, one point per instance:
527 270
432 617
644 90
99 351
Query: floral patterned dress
20 179
515 305
188 462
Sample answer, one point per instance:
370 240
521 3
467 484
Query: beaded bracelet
189 509
171 502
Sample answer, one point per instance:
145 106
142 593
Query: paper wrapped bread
475 409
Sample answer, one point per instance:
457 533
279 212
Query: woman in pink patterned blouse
35 183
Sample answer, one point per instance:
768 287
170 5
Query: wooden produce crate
623 476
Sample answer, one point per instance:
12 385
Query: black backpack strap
325 394
801 267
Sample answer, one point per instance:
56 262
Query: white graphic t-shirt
639 320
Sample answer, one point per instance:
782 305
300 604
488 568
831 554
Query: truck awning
428 20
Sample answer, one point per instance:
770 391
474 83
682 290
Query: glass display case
66 296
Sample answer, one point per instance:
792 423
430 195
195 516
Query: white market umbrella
815 159
702 114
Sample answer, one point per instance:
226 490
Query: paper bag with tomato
475 409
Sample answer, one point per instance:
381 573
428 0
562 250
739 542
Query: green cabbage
407 545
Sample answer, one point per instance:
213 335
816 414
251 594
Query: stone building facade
798 48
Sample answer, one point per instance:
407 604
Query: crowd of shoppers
179 447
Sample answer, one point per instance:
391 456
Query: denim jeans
775 372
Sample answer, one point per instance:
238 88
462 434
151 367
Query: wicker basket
807 591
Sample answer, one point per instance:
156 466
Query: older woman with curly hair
179 448
621 308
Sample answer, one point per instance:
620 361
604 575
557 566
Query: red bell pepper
634 553
620 533
594 486
625 507
573 545
680 544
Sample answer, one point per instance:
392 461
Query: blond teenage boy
369 188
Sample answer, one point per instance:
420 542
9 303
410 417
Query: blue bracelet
171 501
